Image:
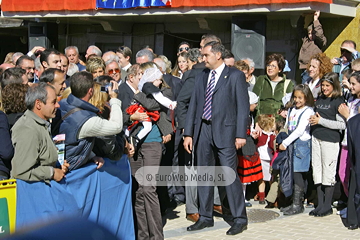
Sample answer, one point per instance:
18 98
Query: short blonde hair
95 63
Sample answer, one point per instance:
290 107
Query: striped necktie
208 96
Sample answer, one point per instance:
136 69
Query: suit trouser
192 205
206 152
147 206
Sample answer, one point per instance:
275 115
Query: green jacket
35 152
270 103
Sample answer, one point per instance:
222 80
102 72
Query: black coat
353 141
284 164
6 148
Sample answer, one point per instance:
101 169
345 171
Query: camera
106 87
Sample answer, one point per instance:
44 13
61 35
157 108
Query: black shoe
199 225
270 205
353 226
323 214
313 213
236 228
295 209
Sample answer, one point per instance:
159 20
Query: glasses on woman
271 66
182 49
113 71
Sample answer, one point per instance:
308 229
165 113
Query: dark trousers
147 206
206 153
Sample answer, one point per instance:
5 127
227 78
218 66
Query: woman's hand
344 110
138 116
314 119
166 138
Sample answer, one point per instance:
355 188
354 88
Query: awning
81 5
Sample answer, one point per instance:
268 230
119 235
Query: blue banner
116 4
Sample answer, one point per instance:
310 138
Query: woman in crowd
13 98
95 66
181 65
318 66
348 111
273 86
325 126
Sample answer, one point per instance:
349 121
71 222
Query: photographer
81 123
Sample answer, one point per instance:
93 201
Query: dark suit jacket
125 95
184 96
174 84
230 107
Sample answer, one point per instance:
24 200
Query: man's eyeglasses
182 49
113 71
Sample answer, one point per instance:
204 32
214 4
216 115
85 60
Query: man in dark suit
128 88
216 126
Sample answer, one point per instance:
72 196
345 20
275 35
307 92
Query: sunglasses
113 71
182 49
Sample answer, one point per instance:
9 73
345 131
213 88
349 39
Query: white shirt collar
133 89
127 67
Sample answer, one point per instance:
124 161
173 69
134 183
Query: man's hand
316 15
113 91
98 161
138 116
240 142
188 142
166 138
37 49
65 167
58 174
314 119
282 147
334 61
130 149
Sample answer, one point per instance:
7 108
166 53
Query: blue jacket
77 151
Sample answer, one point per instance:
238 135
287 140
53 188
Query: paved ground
300 226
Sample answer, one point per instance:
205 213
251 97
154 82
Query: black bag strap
70 112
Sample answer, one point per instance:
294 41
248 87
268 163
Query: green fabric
4 218
270 103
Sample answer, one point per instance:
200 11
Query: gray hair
16 56
194 55
95 50
37 64
216 47
161 64
36 92
250 61
113 58
145 52
72 47
72 69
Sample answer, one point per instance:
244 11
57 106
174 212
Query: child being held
150 84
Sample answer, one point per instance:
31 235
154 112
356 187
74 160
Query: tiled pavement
300 226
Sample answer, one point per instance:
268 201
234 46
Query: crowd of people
290 140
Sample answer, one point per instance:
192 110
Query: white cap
253 98
150 75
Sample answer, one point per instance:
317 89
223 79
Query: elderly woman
318 66
273 86
95 66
